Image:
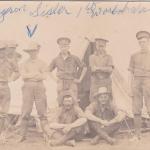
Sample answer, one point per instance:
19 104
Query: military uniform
33 72
99 78
140 67
7 68
67 71
12 55
140 84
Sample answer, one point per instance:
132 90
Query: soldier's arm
43 72
120 116
15 72
56 125
108 69
79 122
109 66
52 66
90 116
25 74
81 118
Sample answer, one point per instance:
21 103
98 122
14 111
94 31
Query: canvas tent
120 86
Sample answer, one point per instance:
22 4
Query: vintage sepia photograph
74 75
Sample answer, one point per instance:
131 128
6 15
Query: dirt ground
36 142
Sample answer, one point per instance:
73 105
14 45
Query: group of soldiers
101 117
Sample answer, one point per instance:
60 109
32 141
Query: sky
120 30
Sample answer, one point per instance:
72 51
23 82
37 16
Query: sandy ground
36 142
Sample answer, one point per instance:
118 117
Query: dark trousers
101 131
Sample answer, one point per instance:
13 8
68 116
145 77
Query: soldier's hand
67 129
104 122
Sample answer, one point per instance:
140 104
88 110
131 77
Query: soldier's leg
112 129
101 133
27 105
137 105
71 135
41 106
146 93
4 106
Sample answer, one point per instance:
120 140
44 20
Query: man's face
33 54
144 43
100 47
2 53
103 98
64 47
68 102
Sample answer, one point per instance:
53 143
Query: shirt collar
102 55
69 55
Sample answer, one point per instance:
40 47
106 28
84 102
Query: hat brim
67 39
102 40
98 94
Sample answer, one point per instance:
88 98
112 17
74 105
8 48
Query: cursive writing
94 10
11 10
45 11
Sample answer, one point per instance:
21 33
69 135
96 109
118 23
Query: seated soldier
69 125
103 117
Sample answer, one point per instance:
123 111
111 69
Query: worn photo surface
74 75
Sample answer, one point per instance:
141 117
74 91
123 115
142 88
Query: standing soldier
11 53
33 72
101 67
140 79
8 72
67 69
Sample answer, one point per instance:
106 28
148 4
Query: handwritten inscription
94 10
90 9
42 10
31 31
4 12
